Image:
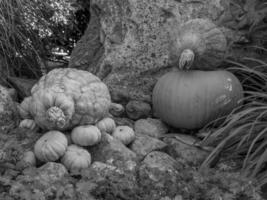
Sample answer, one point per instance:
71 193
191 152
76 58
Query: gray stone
151 127
122 121
127 43
144 144
39 181
112 151
138 109
8 112
107 181
159 173
22 85
183 148
14 144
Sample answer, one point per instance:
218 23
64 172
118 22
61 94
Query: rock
144 144
151 127
108 182
122 121
23 86
8 112
137 109
116 110
128 41
182 148
159 174
18 141
39 182
112 151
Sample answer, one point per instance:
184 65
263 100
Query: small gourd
76 158
86 135
198 43
51 146
28 124
124 133
106 125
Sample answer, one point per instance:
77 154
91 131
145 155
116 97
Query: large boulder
127 42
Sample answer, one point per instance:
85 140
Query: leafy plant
32 31
242 136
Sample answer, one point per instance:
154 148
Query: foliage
30 32
242 136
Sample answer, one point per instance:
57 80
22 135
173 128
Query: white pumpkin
106 125
87 135
76 158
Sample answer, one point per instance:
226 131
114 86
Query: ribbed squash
191 99
67 97
198 43
76 158
51 146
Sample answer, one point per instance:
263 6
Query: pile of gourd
195 93
75 101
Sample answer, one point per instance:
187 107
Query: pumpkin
106 125
65 98
191 99
86 135
28 124
124 133
198 43
50 146
76 158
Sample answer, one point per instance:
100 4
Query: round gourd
124 133
28 124
198 43
87 135
191 99
76 158
51 146
106 125
65 98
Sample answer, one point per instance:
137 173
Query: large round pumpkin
191 99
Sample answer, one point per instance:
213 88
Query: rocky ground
158 165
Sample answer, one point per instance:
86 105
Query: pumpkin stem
57 116
186 59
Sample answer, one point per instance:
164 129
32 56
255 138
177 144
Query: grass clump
243 134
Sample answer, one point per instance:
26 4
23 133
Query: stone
159 174
122 121
39 182
116 110
138 109
112 151
144 144
9 117
183 148
14 144
128 41
151 127
107 181
23 86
